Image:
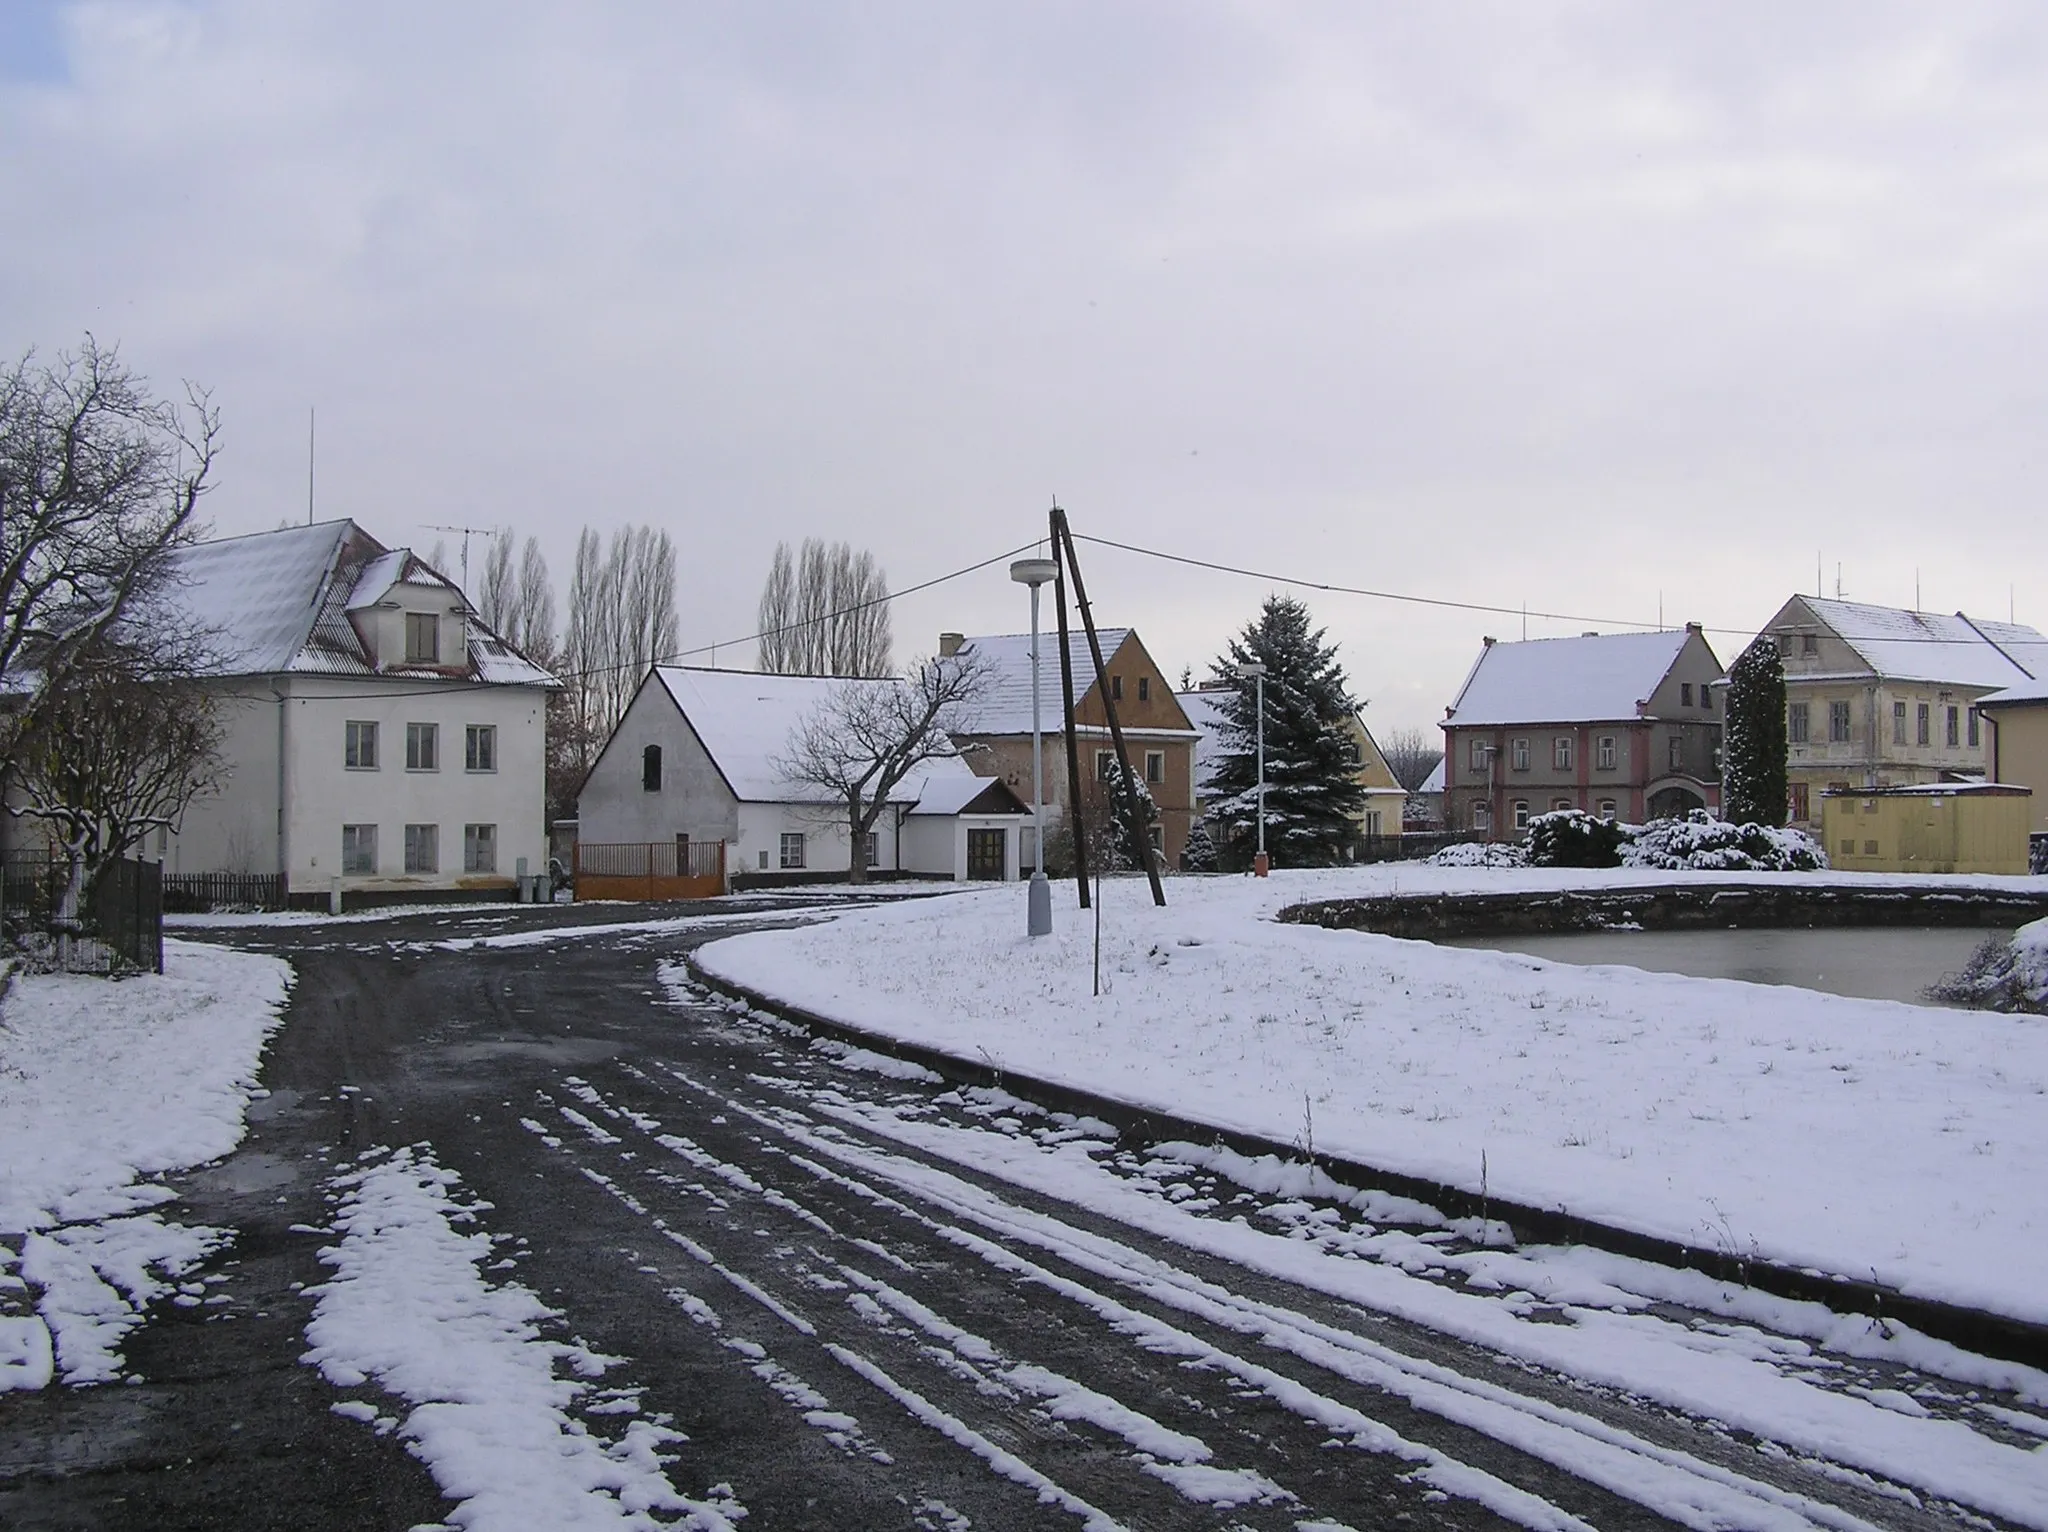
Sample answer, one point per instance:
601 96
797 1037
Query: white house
376 731
694 760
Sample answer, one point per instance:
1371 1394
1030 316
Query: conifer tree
1312 795
1753 781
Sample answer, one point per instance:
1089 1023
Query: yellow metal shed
1944 827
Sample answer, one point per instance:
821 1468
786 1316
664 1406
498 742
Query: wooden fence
119 926
187 892
676 869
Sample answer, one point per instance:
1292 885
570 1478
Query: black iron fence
118 926
1412 847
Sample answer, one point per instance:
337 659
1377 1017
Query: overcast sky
1611 310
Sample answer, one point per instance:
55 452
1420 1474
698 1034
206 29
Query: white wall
235 827
693 800
824 829
936 844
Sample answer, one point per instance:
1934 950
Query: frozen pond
1870 962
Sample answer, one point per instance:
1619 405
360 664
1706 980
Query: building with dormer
376 732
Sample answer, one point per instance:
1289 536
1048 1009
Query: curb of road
1995 1335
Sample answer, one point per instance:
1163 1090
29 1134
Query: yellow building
2017 750
1385 798
1957 827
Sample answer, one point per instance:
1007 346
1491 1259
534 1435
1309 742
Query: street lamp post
1257 671
1038 910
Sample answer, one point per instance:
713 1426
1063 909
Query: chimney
1693 627
949 644
1590 633
1488 641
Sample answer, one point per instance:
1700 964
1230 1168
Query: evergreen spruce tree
1753 785
1312 795
1118 854
1199 854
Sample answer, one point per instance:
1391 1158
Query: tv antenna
467 534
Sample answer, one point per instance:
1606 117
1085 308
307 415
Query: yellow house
1385 798
2017 750
1953 827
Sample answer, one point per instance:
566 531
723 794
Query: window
650 769
1144 688
1783 641
1955 727
422 848
480 747
1976 734
1104 763
1838 723
792 849
1685 694
1116 688
871 852
358 850
422 747
360 752
1707 698
1678 752
1518 755
1476 754
1155 765
1898 723
479 848
1559 805
1482 817
1809 643
1521 813
1354 753
422 638
1920 723
1561 752
1795 723
1606 808
1799 808
1605 752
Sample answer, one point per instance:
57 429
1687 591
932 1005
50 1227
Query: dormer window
422 638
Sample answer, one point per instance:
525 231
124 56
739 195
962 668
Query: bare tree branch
825 612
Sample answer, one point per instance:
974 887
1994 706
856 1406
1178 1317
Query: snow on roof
1434 782
951 786
745 719
279 601
1933 646
1004 706
1598 678
2026 691
1205 711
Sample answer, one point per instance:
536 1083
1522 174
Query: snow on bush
2004 975
1701 843
1574 838
1481 854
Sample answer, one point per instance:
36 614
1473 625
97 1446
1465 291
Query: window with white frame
359 749
479 848
1521 813
422 747
480 747
1604 753
871 849
422 848
1482 816
1518 755
1561 752
1476 754
422 638
1559 805
1606 808
792 850
358 850
1155 766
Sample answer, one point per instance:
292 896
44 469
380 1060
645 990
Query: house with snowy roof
2016 747
376 732
1156 729
1383 810
1622 725
1879 696
695 764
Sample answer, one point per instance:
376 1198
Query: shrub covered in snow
1701 843
1481 854
2004 975
1574 838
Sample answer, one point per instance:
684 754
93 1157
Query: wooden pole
1141 843
1077 823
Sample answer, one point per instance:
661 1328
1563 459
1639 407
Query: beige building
1385 799
1881 697
1957 827
2016 742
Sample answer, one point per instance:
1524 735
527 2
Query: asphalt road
824 1279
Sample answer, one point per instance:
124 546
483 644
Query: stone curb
1995 1335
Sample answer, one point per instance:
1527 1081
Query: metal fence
192 892
1412 847
119 927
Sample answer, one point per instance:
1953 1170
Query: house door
985 855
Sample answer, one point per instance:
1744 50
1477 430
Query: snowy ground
1857 1137
105 1086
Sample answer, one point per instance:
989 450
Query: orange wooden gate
677 869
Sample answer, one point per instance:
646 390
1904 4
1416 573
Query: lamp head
1033 572
1250 669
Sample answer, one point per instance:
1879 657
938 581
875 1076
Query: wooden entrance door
985 855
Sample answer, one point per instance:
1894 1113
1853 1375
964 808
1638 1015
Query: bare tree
120 750
99 482
863 739
532 617
497 590
1411 755
825 612
622 619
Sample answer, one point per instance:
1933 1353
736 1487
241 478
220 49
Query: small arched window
650 768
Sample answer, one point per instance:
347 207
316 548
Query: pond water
1868 962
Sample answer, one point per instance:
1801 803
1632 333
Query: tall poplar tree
1753 747
1313 796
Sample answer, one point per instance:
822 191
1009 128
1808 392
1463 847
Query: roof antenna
311 416
1818 588
1916 587
1838 579
1525 620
